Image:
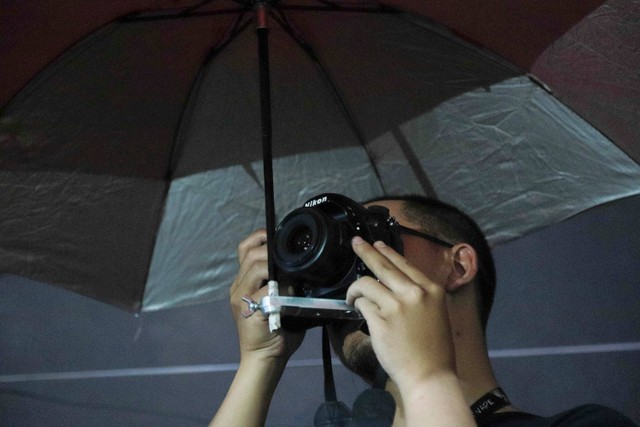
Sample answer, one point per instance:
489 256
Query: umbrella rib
381 9
236 28
414 163
181 14
189 10
346 111
328 6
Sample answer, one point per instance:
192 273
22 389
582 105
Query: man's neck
473 369
473 366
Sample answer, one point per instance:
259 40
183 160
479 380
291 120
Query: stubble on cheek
359 357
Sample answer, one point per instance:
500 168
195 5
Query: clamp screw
253 306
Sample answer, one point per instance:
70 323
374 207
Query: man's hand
406 314
410 332
263 354
255 339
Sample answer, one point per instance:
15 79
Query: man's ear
465 266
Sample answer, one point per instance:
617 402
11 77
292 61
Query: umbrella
130 132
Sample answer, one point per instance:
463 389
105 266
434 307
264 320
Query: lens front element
300 239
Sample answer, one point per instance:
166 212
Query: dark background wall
565 331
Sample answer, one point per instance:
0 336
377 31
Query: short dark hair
451 224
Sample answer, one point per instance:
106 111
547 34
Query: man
426 312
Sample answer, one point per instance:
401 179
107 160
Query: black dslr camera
312 252
313 244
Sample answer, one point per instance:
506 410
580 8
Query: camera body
313 244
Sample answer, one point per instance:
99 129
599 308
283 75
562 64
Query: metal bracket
320 308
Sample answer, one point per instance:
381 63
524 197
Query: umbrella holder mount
287 306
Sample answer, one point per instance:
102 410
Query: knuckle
385 267
244 245
252 240
434 290
394 305
415 293
254 254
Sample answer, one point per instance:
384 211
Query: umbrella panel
431 114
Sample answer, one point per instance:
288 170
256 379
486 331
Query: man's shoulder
591 415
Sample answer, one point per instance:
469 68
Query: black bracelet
490 403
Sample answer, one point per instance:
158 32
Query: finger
401 263
368 309
255 239
251 277
369 288
380 265
254 255
250 288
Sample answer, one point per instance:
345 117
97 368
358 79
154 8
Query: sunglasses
425 236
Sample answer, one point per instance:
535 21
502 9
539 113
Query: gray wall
565 331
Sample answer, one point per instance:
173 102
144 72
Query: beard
355 351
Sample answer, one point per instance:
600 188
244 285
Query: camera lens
299 239
309 245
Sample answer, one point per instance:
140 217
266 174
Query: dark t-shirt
374 411
581 416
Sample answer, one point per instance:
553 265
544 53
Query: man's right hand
256 341
263 354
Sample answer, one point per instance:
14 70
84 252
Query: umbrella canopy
130 141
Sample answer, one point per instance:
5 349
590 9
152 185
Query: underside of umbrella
132 163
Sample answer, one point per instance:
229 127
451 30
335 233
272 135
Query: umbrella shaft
265 119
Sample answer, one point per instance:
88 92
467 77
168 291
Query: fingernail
357 240
379 244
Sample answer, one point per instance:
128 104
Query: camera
312 244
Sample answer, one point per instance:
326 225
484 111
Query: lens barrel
310 245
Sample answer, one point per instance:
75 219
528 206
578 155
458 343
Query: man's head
467 262
450 224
